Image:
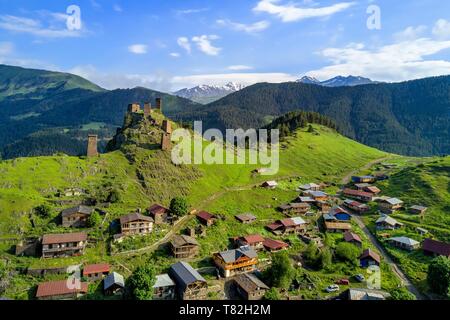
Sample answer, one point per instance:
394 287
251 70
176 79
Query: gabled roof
437 247
357 193
252 239
182 240
389 220
250 283
336 210
317 194
306 199
419 208
405 240
203 215
135 217
329 217
369 253
366 294
373 189
272 244
274 226
245 217
362 185
231 256
270 183
96 268
113 279
58 288
393 201
163 280
184 274
78 209
338 226
309 186
64 238
350 236
157 209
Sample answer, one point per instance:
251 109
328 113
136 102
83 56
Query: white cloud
138 48
191 11
239 67
6 48
35 27
184 43
400 61
410 33
204 44
117 8
174 54
291 12
249 28
442 29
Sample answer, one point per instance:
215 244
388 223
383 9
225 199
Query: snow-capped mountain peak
209 93
339 81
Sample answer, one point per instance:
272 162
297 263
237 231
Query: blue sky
167 45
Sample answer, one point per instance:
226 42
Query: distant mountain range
206 93
338 81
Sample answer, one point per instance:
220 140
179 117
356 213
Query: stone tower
166 143
167 127
92 145
159 104
147 109
134 107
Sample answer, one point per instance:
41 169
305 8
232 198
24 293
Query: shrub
272 294
141 282
281 271
312 255
43 210
179 206
439 276
401 294
94 220
348 252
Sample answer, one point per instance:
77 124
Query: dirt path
369 165
403 278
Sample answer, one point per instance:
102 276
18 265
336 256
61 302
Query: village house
294 208
189 283
362 186
317 195
363 179
59 290
206 218
164 288
272 245
367 188
269 184
246 218
436 248
387 223
113 284
184 247
93 272
76 217
404 243
340 214
422 231
329 218
353 238
418 210
360 294
359 195
250 287
308 200
159 213
232 262
136 224
27 247
390 205
310 186
356 206
308 238
337 227
63 245
324 206
287 226
255 241
369 258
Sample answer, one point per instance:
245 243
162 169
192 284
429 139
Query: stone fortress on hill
146 128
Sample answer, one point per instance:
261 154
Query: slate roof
405 240
231 256
163 280
184 274
393 201
389 220
78 209
113 279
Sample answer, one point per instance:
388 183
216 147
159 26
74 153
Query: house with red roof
274 245
255 241
436 248
159 213
96 271
60 290
288 226
369 258
206 218
352 238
